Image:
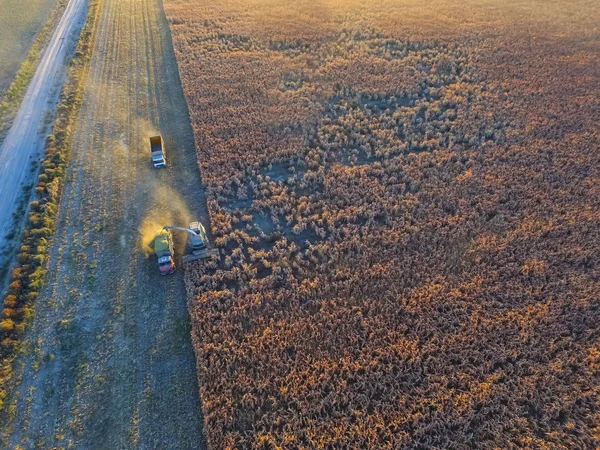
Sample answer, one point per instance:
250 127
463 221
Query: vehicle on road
157 151
163 247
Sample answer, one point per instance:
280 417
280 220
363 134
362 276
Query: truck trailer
157 151
163 247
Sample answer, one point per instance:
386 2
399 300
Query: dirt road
111 364
25 140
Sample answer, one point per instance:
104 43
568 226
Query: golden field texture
407 203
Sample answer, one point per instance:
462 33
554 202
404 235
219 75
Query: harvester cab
198 241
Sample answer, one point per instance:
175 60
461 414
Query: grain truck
157 151
163 247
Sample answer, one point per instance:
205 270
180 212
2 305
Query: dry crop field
407 203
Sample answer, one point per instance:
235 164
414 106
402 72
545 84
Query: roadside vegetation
10 99
29 275
406 200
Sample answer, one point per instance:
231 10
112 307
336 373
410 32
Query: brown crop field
407 202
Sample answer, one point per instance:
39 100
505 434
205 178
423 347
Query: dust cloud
167 208
146 128
149 228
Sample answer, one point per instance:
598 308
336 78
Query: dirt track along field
110 363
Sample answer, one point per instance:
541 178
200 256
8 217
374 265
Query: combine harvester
197 246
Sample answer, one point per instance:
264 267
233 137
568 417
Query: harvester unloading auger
197 245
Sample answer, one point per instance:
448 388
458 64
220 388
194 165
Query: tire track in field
114 366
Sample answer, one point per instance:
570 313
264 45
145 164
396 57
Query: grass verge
29 274
12 98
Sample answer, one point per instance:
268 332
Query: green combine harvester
197 246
